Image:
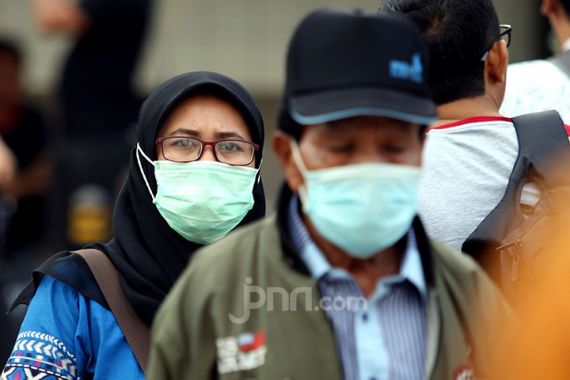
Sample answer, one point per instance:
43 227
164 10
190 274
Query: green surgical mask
201 200
361 208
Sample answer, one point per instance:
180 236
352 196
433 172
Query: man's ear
282 148
547 7
497 62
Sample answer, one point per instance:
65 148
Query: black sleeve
29 138
110 11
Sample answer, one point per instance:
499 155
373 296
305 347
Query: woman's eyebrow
229 135
184 131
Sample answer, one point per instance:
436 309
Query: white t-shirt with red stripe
466 168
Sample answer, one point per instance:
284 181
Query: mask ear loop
259 171
303 169
139 149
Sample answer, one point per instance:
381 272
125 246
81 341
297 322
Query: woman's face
207 118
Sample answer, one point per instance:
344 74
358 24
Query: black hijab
147 253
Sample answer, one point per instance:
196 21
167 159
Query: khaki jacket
204 329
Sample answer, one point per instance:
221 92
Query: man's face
365 139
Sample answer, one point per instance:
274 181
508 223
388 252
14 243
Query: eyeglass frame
204 143
508 30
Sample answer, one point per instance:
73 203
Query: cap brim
326 106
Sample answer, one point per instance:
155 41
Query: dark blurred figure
7 173
7 176
7 166
98 104
96 84
23 193
23 130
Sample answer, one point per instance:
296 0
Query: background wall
245 39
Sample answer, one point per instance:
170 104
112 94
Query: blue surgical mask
362 208
201 200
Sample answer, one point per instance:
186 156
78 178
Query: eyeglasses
504 34
188 149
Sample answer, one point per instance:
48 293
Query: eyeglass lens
182 149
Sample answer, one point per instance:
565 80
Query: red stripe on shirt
484 119
475 119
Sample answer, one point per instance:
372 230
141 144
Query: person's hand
35 180
60 15
7 167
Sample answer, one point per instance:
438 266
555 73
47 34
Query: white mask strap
259 171
297 157
302 168
139 149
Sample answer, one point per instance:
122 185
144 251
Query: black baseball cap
343 64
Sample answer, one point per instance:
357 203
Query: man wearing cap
342 283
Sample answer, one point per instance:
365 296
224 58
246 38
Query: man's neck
465 108
366 272
561 26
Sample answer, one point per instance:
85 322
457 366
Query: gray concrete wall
528 34
244 38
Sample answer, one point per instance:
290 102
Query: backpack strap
562 61
135 330
544 147
544 158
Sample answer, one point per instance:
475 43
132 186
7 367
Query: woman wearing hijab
193 177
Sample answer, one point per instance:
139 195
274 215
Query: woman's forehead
205 115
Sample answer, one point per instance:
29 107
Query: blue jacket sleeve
67 336
46 343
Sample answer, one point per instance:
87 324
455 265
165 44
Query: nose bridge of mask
139 150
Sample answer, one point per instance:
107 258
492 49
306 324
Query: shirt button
365 319
372 378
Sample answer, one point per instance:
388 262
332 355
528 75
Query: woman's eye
184 143
230 147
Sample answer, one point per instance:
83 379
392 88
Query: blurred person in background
7 173
193 177
23 129
543 84
23 200
98 105
97 80
7 166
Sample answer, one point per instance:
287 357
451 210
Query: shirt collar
318 266
308 250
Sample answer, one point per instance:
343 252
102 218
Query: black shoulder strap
136 332
544 153
544 147
562 61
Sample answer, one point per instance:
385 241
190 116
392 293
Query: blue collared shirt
379 337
